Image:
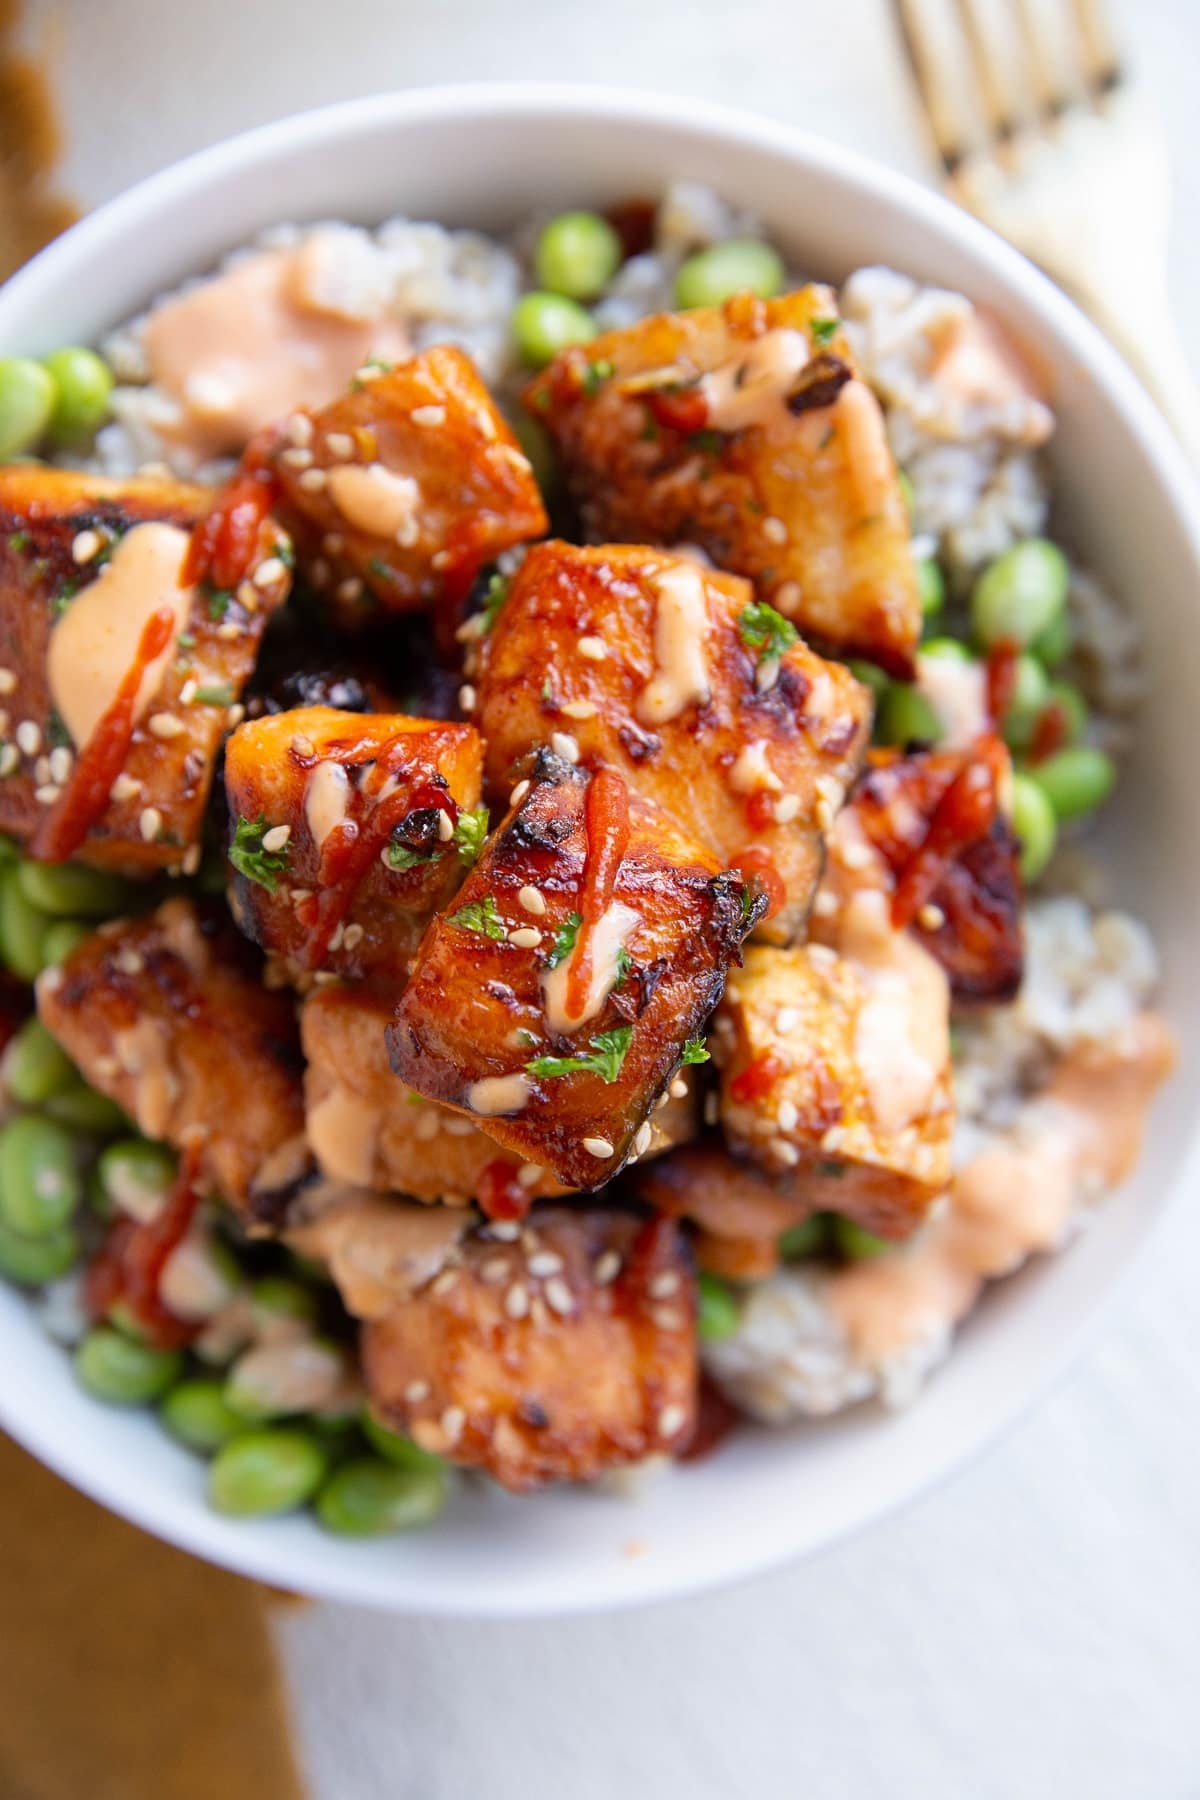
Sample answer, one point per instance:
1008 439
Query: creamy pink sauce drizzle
1010 1202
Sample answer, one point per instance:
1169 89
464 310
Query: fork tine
1049 97
940 110
999 113
1102 65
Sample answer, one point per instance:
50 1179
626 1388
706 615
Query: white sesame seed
369 372
349 590
354 936
516 1301
150 823
416 1391
428 1125
559 1297
664 1285
234 715
313 480
564 745
47 796
678 1089
49 981
505 1231
453 1421
787 1019
930 917
494 1270
667 1318
247 596
276 838
598 1147
788 1115
85 545
303 746
786 808
593 648
606 1268
529 1174
833 1138
670 1420
191 859
855 856
340 445
545 1262
187 692
428 415
531 901
775 531
299 429
29 737
786 596
822 955
128 961
268 572
445 827
10 759
228 631
444 1282
518 793
125 787
580 709
525 937
664 1099
61 760
642 1141
783 1152
467 697
8 681
339 932
41 770
165 725
823 814
299 457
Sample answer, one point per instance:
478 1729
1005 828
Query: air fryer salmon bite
521 832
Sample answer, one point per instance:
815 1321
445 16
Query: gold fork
1041 136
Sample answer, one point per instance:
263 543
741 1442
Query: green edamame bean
267 1472
871 675
1020 595
544 324
1035 825
9 850
369 1498
22 927
948 647
27 397
1030 691
62 938
577 254
83 1109
279 1297
71 891
39 1181
809 1238
713 276
395 1448
114 1368
84 382
196 1413
931 586
1053 645
1076 780
31 1262
904 716
137 1175
35 1066
1071 706
719 1311
854 1243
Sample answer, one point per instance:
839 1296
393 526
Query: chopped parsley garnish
399 857
564 939
470 832
186 641
18 541
482 916
835 1170
694 1051
748 899
624 964
595 373
823 329
57 735
64 597
380 569
710 443
763 629
285 550
493 600
606 1055
220 695
219 600
248 857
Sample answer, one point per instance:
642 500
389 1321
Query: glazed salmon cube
166 1014
540 1354
402 490
746 430
347 832
86 563
554 1013
367 1129
738 1210
837 1068
704 697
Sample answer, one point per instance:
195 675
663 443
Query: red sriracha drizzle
756 1079
129 1264
224 544
606 825
1001 677
961 817
100 760
499 1193
678 409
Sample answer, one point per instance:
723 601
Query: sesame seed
319 573
606 1268
125 787
593 648
234 715
564 745
299 457
349 590
598 1147
453 1420
47 796
518 793
678 1089
783 1152
41 770
165 725
444 1282
353 937
787 1019
369 372
313 480
525 937
786 808
664 1099
340 445
670 1420
128 961
61 760
187 692
788 1115
667 1318
467 697
546 1262
428 1126
775 531
664 1285
303 746
29 737
428 415
855 856
299 429
10 758
445 827
531 901
559 1297
786 596
641 1142
339 932
8 681
333 543
416 1391
247 596
276 838
529 1174
85 545
49 981
150 824
191 859
269 572
823 814
833 1138
228 631
494 1270
930 917
516 1301
823 955
579 709
505 1231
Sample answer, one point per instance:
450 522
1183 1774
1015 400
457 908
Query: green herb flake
824 329
249 858
764 630
64 597
219 695
470 833
400 857
708 442
481 916
596 373
381 570
624 964
564 938
186 641
748 899
835 1170
285 550
218 601
57 735
606 1055
694 1051
493 600
18 541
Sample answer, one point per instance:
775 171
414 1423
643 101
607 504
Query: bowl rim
231 1543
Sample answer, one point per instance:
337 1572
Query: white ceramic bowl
485 156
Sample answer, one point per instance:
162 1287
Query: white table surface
1032 1629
